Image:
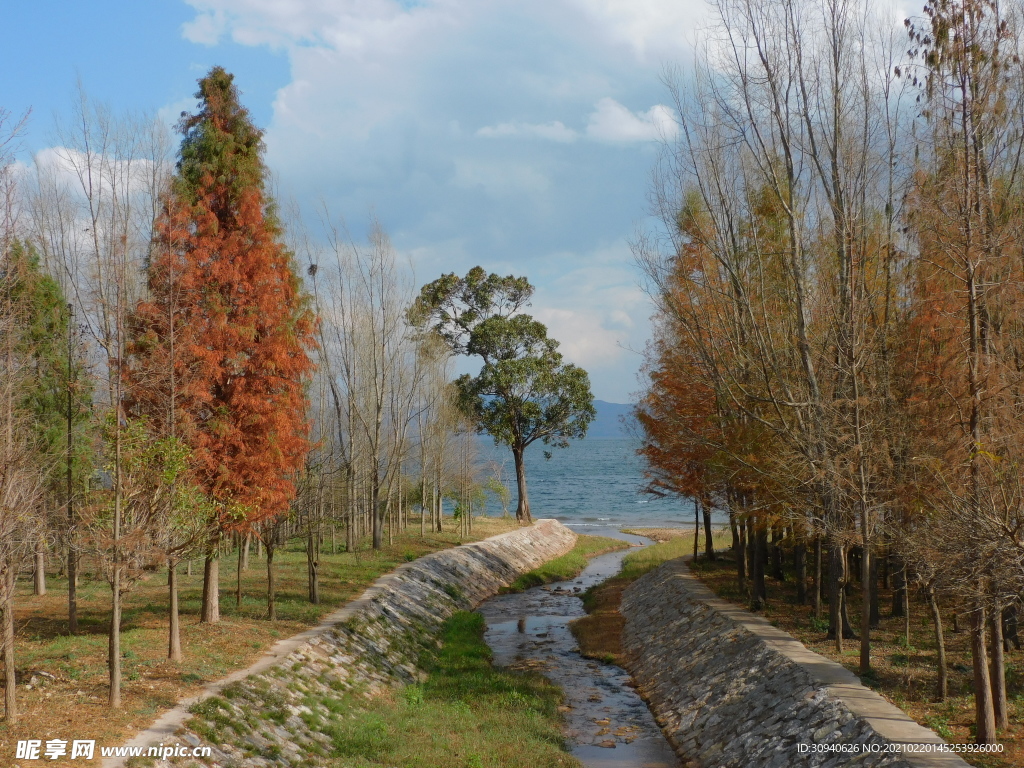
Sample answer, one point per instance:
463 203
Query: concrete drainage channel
606 722
371 643
726 687
731 690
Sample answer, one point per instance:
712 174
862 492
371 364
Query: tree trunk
899 590
942 689
848 631
271 601
777 571
174 631
876 613
423 504
246 542
984 710
11 681
70 491
817 577
709 543
749 554
865 609
998 671
740 552
376 511
39 569
313 567
239 567
800 566
1010 636
836 566
696 528
523 506
114 647
72 586
211 588
759 595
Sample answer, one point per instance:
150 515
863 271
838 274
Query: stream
607 723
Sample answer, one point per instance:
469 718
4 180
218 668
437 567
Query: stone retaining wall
257 717
729 689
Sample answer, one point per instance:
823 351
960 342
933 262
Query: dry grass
905 675
599 633
73 704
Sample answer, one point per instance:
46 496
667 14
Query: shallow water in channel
607 723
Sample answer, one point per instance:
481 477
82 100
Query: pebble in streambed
607 723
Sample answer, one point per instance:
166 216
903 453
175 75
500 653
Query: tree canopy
220 347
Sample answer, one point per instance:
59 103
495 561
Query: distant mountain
609 421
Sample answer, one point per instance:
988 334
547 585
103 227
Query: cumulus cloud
480 133
614 123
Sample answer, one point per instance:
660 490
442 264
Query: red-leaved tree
222 280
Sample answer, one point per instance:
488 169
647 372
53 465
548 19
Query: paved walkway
887 720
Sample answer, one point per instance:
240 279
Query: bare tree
94 217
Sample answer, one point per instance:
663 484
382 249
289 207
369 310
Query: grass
467 714
599 633
568 565
73 704
903 673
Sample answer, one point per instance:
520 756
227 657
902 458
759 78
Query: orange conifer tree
244 324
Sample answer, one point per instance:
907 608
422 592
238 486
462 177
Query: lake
594 483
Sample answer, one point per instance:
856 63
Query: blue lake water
594 483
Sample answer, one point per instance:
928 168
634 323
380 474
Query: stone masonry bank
729 689
257 717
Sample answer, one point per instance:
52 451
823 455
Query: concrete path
888 721
163 730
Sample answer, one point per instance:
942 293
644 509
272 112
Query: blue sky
515 134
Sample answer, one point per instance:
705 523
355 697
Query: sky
519 135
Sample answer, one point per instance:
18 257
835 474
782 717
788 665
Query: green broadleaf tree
525 391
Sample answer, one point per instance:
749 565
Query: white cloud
652 29
553 131
384 111
70 170
609 122
614 123
206 28
361 28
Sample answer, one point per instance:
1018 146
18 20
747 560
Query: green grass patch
467 713
568 565
636 564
